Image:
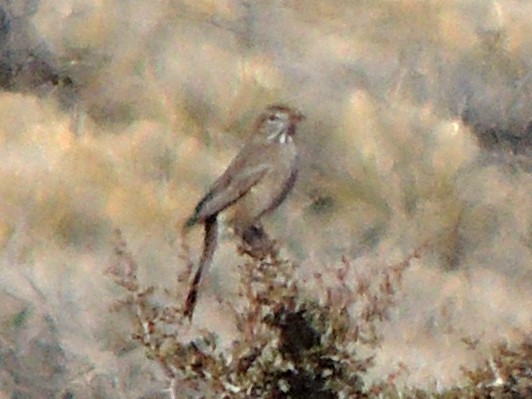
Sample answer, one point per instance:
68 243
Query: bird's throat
282 137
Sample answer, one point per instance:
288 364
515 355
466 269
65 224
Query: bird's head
278 123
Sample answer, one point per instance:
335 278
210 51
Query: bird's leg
256 242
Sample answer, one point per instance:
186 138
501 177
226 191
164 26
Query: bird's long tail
209 246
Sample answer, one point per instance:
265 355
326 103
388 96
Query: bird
256 182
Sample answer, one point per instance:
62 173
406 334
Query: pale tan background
119 114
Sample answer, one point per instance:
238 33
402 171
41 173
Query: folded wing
226 191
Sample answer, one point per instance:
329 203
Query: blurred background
119 114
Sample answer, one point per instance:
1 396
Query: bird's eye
272 118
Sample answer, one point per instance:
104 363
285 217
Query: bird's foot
257 244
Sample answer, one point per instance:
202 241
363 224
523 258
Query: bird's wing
231 186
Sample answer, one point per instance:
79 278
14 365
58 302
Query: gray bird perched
256 182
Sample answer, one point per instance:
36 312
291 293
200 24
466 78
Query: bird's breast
272 189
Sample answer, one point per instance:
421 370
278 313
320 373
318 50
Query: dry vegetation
290 344
118 114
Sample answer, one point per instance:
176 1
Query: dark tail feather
209 246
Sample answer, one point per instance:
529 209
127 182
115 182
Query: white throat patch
281 138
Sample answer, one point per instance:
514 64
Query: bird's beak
297 117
